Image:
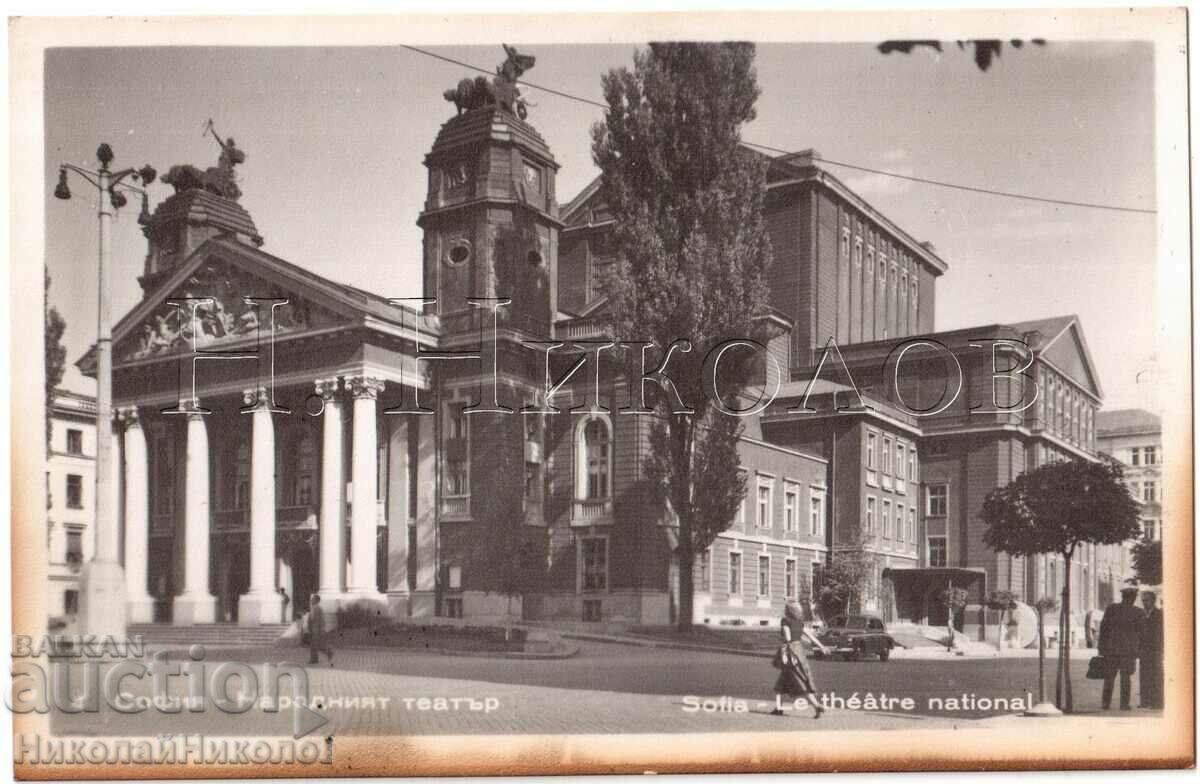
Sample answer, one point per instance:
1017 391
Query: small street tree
1055 508
56 352
692 245
953 599
1046 604
1002 603
845 577
1147 561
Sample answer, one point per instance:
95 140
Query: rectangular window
74 491
789 510
912 525
456 478
70 602
871 458
901 463
763 520
816 514
703 573
887 458
74 546
1151 455
937 551
789 578
594 550
1150 491
735 574
75 442
818 578
912 465
937 500
900 537
764 576
887 519
870 516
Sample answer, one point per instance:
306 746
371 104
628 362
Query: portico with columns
256 449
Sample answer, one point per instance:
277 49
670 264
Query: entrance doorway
297 570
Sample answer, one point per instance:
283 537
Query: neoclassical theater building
269 441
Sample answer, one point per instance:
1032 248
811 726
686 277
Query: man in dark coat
316 631
1150 669
1119 641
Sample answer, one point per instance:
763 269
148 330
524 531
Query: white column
137 519
333 505
261 603
196 604
425 582
363 508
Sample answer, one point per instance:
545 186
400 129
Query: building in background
1134 437
71 487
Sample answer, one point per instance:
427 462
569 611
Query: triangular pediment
1067 351
204 306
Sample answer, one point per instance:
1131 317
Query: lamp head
104 154
144 215
147 174
62 190
117 198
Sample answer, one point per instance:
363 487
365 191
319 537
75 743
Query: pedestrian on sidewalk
1119 642
1150 652
316 631
795 678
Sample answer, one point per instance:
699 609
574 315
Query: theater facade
282 434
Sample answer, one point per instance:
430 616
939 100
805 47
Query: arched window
594 448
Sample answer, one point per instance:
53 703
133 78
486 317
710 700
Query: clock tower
491 222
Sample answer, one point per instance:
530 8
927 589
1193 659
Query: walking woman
795 678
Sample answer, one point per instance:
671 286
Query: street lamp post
102 609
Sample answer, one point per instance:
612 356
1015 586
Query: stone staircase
210 635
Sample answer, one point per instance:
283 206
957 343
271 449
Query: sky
335 139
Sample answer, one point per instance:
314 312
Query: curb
647 642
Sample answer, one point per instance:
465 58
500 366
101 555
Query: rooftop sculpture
501 91
219 179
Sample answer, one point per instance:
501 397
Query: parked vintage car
855 636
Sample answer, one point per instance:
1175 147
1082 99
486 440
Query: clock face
458 175
533 177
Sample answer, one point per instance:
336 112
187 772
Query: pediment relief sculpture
220 303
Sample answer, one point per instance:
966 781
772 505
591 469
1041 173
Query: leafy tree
845 576
1055 508
1002 602
1147 561
986 50
687 201
56 352
953 599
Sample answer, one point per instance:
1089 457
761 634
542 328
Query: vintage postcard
779 392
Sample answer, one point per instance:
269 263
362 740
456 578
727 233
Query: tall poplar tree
687 200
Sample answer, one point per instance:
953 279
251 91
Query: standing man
1150 676
316 628
1119 633
283 605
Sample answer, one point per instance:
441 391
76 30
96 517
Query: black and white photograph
701 392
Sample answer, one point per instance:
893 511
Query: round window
534 258
460 251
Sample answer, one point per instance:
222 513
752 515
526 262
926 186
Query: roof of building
1126 421
789 169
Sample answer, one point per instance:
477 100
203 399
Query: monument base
255 609
102 600
191 609
140 610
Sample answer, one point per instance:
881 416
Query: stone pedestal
140 610
259 608
191 609
102 600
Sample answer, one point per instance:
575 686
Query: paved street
605 688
